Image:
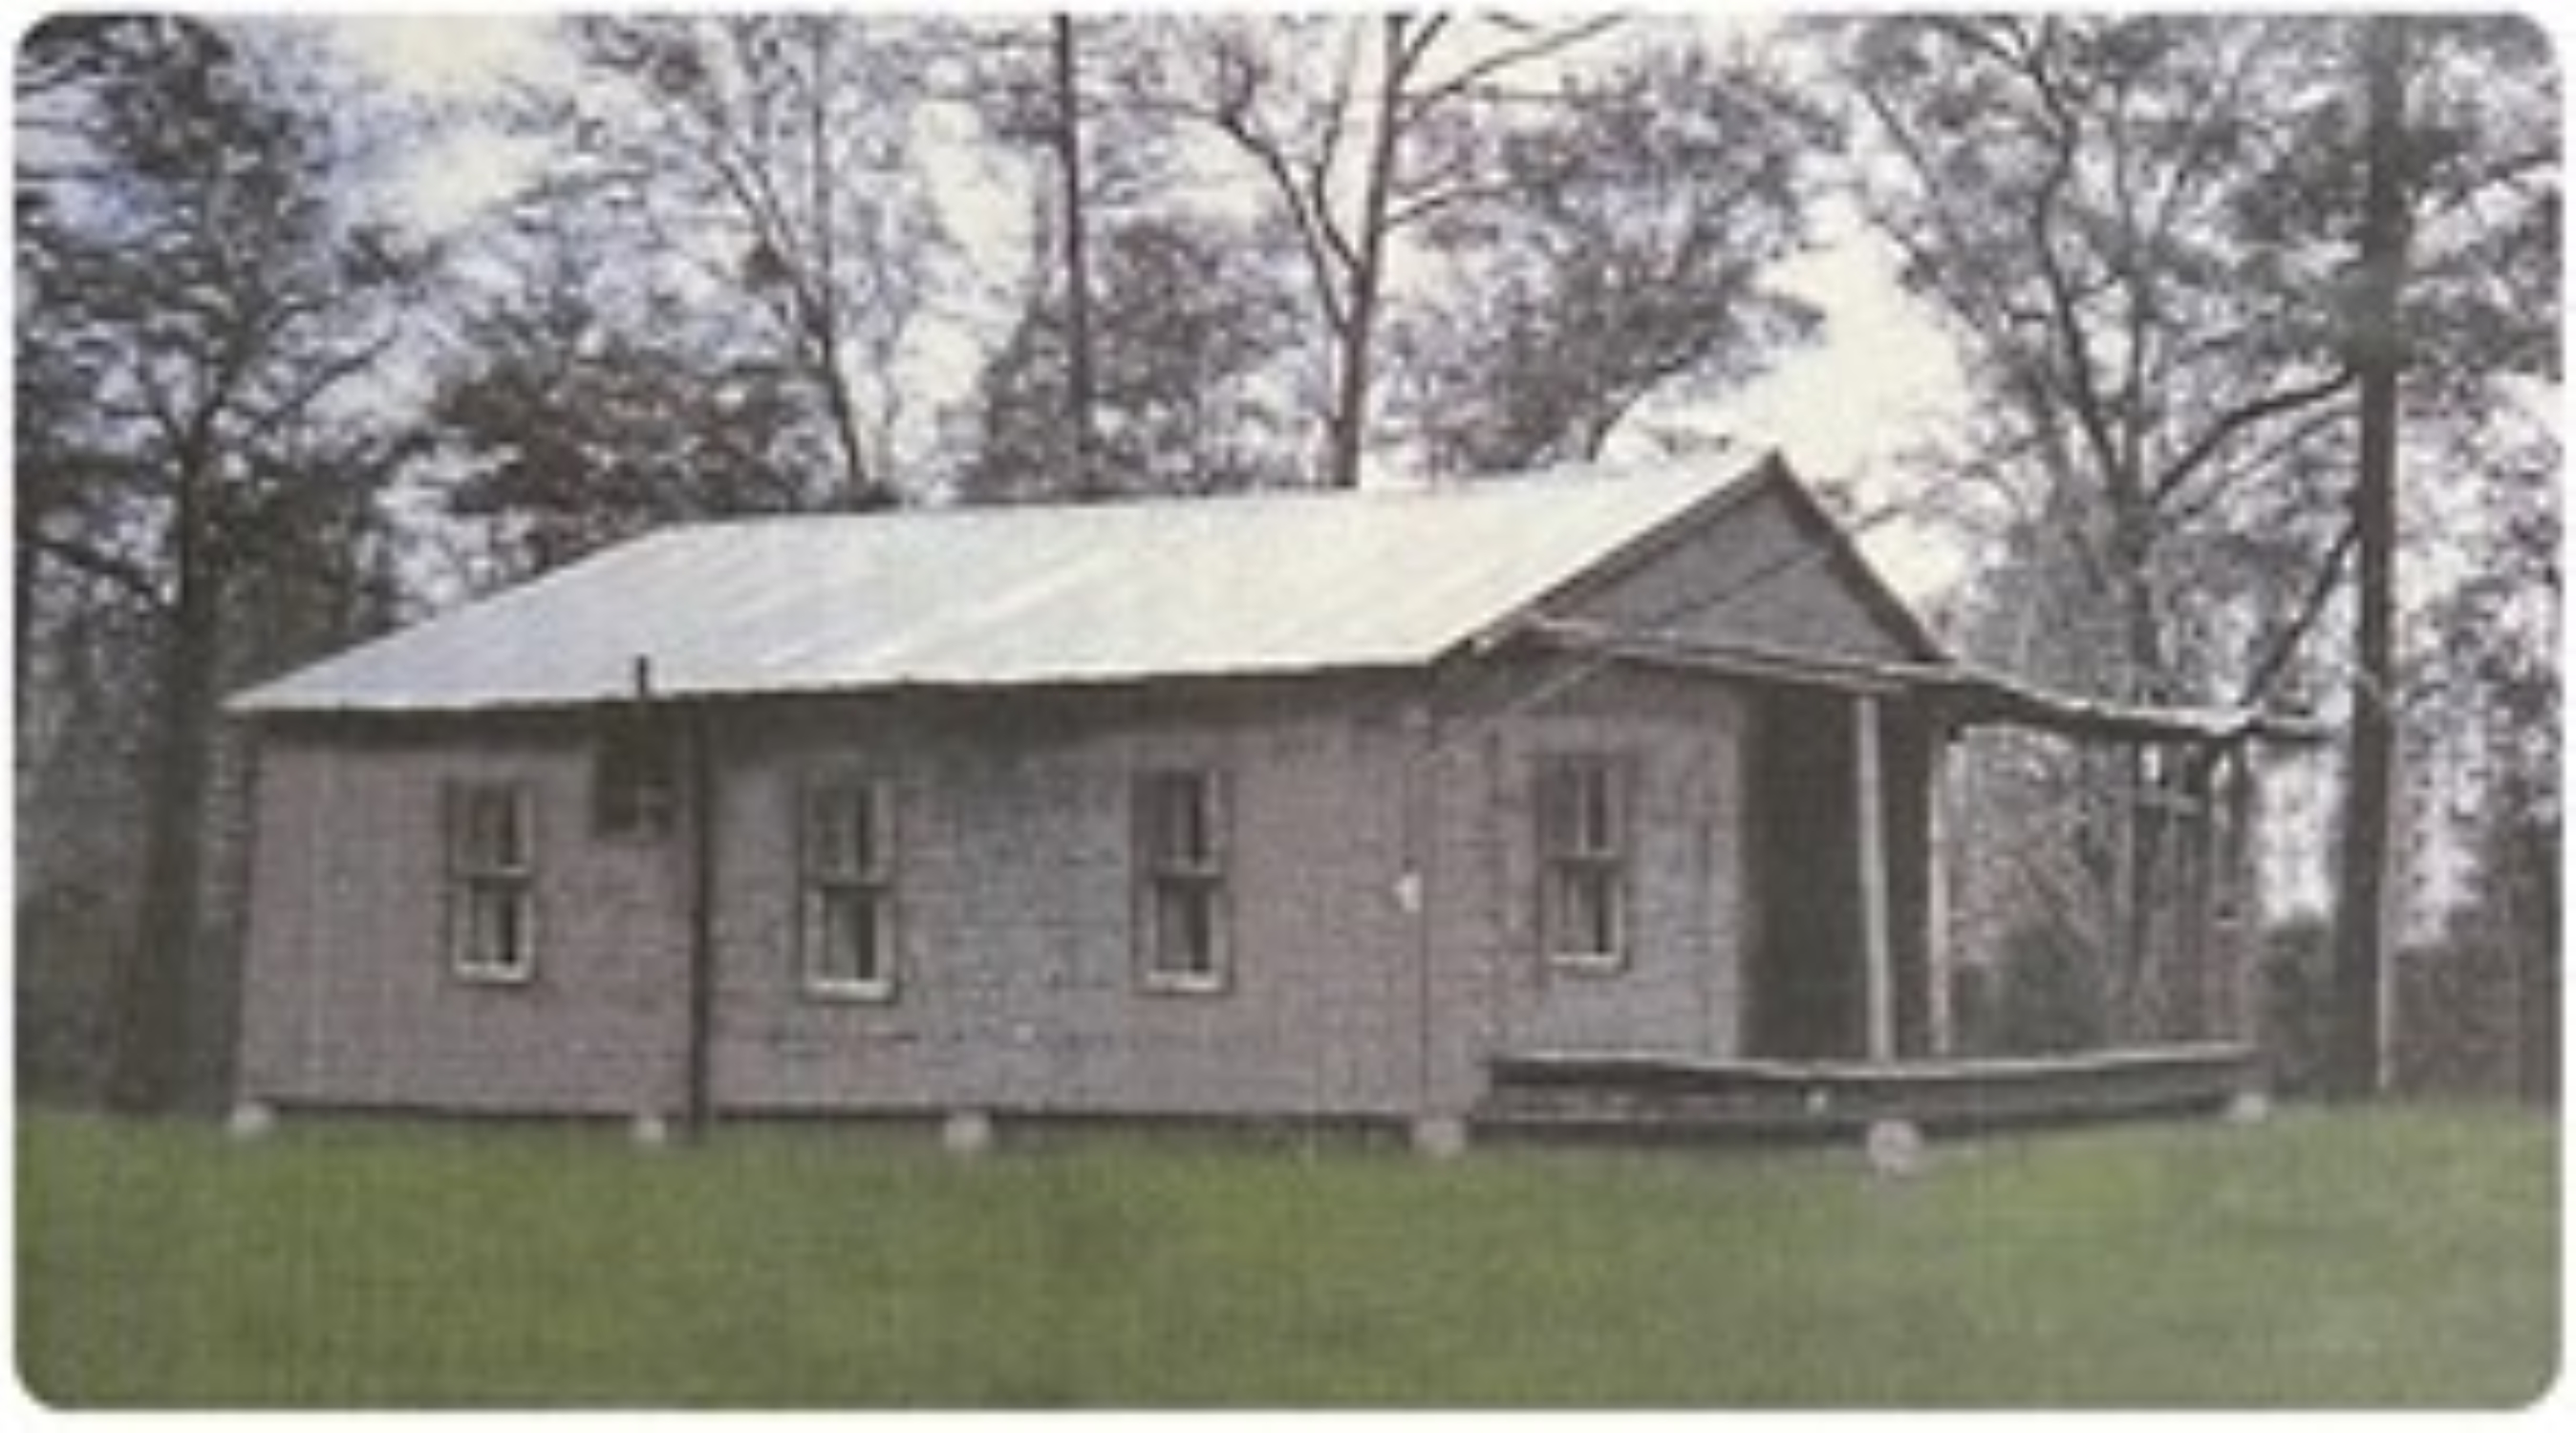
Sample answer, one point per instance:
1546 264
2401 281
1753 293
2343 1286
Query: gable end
1760 565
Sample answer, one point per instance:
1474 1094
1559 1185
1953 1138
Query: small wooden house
1284 805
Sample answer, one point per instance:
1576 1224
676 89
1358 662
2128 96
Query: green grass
2395 1257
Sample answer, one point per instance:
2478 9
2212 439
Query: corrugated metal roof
1259 584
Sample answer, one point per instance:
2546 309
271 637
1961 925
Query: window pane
826 834
1556 808
842 839
1177 823
845 936
482 927
1180 873
1564 928
1596 907
512 843
1578 806
848 937
496 929
1185 929
866 850
510 942
1582 820
1583 915
1597 834
489 898
492 830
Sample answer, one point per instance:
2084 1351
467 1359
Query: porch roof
1961 694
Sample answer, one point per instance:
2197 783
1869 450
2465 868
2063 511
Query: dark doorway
1805 984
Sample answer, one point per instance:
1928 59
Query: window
846 855
633 779
1180 866
491 881
1583 860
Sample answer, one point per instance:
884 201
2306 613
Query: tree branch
325 376
1407 54
1469 76
1423 205
2259 463
2206 124
2237 420
2285 642
2065 317
118 571
1921 257
1231 116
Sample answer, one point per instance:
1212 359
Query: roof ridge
1709 472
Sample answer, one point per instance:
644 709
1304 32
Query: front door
1805 996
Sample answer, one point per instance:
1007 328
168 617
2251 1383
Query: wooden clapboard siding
349 994
1018 985
1380 883
1769 572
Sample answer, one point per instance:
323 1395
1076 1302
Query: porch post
1936 895
1869 790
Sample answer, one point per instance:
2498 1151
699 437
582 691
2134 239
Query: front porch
1846 1019
1607 1093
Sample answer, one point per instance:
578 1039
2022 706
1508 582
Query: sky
1843 410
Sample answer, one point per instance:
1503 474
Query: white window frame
1594 851
867 883
477 878
1191 870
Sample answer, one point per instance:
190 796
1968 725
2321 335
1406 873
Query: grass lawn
2395 1257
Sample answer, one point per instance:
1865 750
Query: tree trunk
1080 387
2134 1018
1354 374
2355 1066
2241 949
151 998
860 489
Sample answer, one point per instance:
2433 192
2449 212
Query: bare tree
2072 196
1144 357
2451 296
2142 230
1081 397
2378 354
1645 210
1186 334
1356 157
775 154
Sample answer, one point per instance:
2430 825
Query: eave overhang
1954 694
